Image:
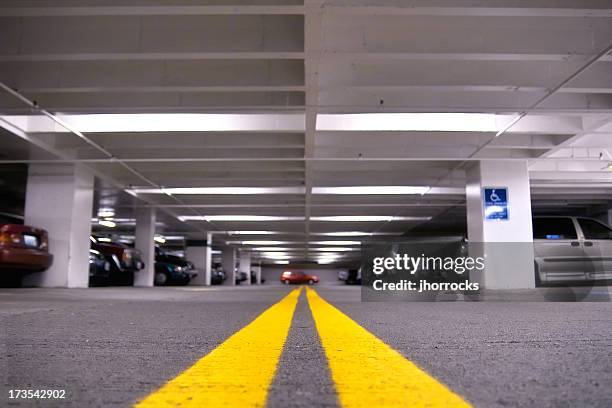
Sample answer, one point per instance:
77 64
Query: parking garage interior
188 164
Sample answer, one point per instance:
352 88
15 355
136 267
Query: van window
594 230
553 228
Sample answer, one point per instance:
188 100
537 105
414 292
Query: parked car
124 261
163 256
241 277
571 249
298 277
23 249
167 273
99 267
217 276
172 269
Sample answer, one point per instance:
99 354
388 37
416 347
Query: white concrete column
59 198
228 261
199 252
145 243
508 244
245 265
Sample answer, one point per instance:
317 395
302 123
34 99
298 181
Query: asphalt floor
110 347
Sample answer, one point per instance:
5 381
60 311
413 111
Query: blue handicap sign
496 203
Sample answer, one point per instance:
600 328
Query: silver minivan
571 249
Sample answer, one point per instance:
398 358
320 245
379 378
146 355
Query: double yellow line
366 371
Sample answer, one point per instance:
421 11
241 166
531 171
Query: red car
288 277
24 249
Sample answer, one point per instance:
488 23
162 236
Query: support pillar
145 243
199 252
609 220
245 265
59 198
228 261
507 243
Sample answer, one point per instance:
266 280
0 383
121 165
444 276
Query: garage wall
326 276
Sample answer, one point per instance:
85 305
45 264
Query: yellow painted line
369 373
238 372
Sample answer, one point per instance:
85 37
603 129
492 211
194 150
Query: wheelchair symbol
494 197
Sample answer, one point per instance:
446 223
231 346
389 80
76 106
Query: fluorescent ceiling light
106 212
334 249
272 249
103 239
335 242
159 239
257 242
372 190
353 234
427 122
220 190
161 122
247 218
281 262
92 239
265 218
107 223
367 218
326 261
275 256
251 232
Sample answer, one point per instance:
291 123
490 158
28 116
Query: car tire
310 282
161 279
286 282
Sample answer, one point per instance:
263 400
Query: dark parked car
163 256
172 269
288 277
23 249
217 276
124 261
241 277
99 267
167 273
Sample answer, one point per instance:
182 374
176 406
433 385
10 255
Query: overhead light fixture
104 239
107 223
353 234
106 212
334 249
162 122
235 218
220 190
274 249
92 239
281 262
159 239
257 242
335 242
251 232
372 190
425 122
367 218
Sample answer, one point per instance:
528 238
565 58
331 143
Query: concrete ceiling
295 69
